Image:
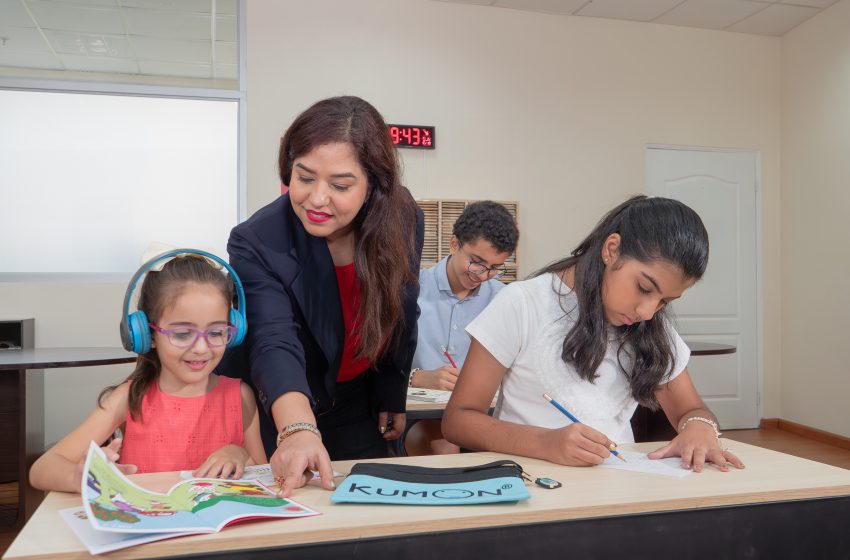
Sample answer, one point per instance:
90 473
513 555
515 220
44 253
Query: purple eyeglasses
186 337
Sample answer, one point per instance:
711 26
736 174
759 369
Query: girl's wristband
708 421
412 373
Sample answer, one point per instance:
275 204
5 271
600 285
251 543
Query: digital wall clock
412 136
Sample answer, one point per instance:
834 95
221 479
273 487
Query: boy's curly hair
490 221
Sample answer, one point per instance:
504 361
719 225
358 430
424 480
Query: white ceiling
762 17
198 38
186 38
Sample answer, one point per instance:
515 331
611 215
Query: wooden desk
22 408
423 410
779 507
420 410
710 348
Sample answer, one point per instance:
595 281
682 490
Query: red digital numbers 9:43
412 136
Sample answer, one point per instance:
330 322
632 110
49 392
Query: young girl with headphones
590 330
174 412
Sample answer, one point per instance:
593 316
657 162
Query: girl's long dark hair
650 229
384 229
160 290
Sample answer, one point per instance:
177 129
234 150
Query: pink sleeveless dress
179 433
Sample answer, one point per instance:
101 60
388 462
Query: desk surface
587 493
43 358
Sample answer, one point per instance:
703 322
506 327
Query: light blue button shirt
443 317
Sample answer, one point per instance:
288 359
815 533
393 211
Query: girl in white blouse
590 330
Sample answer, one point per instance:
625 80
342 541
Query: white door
722 307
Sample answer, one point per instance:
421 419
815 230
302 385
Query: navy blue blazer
295 326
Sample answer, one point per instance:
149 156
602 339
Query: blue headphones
134 327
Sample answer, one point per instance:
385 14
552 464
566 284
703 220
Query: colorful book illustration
201 505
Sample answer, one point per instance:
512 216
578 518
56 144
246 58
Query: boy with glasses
451 294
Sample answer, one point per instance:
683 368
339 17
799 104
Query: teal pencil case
386 483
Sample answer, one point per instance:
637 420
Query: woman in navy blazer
330 272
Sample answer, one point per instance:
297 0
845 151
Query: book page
638 462
98 542
114 503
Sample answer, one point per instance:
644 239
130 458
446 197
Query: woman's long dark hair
650 229
160 290
384 229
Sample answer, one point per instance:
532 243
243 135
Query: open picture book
114 504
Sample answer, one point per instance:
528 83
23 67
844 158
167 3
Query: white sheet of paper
638 462
260 473
428 395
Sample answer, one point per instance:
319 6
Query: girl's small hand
577 445
391 424
226 461
697 444
112 453
295 457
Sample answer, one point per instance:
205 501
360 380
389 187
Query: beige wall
554 112
815 226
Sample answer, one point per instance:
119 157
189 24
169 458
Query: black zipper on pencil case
434 475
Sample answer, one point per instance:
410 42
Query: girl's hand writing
295 457
577 445
224 462
696 444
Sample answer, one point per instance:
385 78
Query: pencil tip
620 457
547 397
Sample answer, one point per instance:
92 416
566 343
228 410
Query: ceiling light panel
226 71
74 17
42 61
149 48
226 53
101 3
776 19
225 29
812 3
162 68
711 14
475 2
186 6
98 64
22 39
177 25
89 44
14 15
563 7
646 10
